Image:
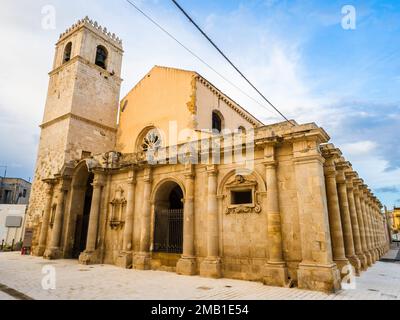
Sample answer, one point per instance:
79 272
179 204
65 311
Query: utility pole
2 180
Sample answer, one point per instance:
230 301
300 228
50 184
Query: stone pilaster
142 258
350 176
276 272
125 257
54 251
89 256
211 266
40 249
317 271
358 196
341 166
331 154
187 264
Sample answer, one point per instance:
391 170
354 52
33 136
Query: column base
276 274
186 266
363 260
52 254
211 268
374 255
39 251
141 261
343 266
325 278
356 263
369 258
88 257
124 260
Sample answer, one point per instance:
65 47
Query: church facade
178 177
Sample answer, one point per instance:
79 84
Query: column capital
330 152
269 154
49 183
212 170
189 171
148 174
132 177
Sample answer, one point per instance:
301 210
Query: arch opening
168 223
82 192
217 121
67 52
101 57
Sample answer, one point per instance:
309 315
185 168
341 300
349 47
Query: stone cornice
84 61
76 117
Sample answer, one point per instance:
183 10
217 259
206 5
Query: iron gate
168 231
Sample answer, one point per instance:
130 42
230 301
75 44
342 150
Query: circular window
151 141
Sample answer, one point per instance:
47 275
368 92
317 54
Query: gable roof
230 102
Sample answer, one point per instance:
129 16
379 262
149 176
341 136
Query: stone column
142 258
346 217
39 251
211 266
377 225
124 259
276 272
350 176
364 207
54 252
371 227
187 264
331 154
373 219
317 271
359 208
89 256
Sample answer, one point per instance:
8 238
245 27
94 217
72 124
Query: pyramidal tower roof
95 27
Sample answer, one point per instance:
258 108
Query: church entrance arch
81 201
168 219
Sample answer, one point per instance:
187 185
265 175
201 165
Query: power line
194 54
227 59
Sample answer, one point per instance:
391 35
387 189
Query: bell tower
80 116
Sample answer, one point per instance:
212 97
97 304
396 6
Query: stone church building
177 176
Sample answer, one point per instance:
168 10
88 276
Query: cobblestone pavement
74 281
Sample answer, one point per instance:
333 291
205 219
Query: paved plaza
23 277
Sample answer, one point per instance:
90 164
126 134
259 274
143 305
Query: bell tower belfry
80 116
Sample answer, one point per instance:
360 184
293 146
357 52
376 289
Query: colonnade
358 233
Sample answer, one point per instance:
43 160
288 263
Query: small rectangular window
242 197
85 154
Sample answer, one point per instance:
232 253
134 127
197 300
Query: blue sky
296 52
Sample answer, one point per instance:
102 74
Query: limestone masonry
188 181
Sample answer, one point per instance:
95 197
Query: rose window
151 141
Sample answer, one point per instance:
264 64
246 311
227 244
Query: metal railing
168 231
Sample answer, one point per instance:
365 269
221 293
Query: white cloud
359 149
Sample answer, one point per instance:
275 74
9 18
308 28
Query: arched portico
79 211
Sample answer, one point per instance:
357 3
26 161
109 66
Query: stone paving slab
74 281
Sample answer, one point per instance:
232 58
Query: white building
12 223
